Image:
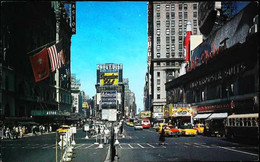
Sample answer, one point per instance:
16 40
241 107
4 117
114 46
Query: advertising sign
109 114
108 78
73 17
145 114
108 99
182 111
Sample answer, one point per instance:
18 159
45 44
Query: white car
138 126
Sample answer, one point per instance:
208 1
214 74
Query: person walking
162 137
106 131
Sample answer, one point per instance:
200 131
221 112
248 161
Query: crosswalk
119 146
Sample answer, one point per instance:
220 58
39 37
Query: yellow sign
145 114
180 111
85 105
109 79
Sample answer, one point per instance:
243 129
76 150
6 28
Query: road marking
89 146
150 145
120 145
202 145
140 145
238 151
130 146
80 145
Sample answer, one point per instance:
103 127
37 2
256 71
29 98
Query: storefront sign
145 114
212 108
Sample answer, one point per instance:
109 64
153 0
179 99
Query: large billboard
233 32
108 79
145 114
109 99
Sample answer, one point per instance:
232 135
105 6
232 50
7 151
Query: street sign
74 130
64 143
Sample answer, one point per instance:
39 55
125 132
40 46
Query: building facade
224 72
167 21
129 101
27 27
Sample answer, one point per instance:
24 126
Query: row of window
180 6
243 122
172 23
180 15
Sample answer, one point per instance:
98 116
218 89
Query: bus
145 123
242 125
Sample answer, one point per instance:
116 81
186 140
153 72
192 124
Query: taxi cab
63 129
159 127
188 130
170 130
199 128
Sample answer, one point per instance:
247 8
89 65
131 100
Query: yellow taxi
131 124
63 129
188 130
159 127
199 128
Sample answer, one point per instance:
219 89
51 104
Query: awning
28 123
202 116
218 116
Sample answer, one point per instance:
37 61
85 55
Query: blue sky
110 32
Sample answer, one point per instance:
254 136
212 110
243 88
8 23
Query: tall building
167 21
26 28
129 101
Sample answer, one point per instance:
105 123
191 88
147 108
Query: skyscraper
167 21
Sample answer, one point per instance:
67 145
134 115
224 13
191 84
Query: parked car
188 130
199 128
138 126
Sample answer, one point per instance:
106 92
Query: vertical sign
73 17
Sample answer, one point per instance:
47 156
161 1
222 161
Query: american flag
56 56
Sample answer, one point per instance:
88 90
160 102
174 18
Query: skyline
110 32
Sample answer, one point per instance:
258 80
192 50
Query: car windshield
186 127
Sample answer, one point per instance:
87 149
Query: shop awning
218 116
202 116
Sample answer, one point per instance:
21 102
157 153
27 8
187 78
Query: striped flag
56 56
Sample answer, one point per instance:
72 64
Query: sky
110 32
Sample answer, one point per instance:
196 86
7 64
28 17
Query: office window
167 47
167 7
195 30
158 81
180 53
158 47
195 14
185 15
167 23
167 64
173 15
173 54
167 39
185 22
173 23
167 55
158 74
180 31
195 23
158 63
180 46
158 89
180 23
158 32
180 38
194 6
173 47
180 15
167 15
185 6
173 7
180 7
158 15
158 40
158 7
167 31
158 96
173 39
158 55
173 31
158 23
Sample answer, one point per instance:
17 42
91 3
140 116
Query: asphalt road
143 145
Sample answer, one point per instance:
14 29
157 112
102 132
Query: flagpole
42 46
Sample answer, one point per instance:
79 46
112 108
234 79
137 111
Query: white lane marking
150 145
238 151
80 145
89 146
120 145
202 145
140 145
130 146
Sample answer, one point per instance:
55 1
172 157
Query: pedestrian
162 137
106 131
21 131
7 133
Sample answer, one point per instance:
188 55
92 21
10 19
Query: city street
144 146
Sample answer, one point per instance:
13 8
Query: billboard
109 99
145 114
108 79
